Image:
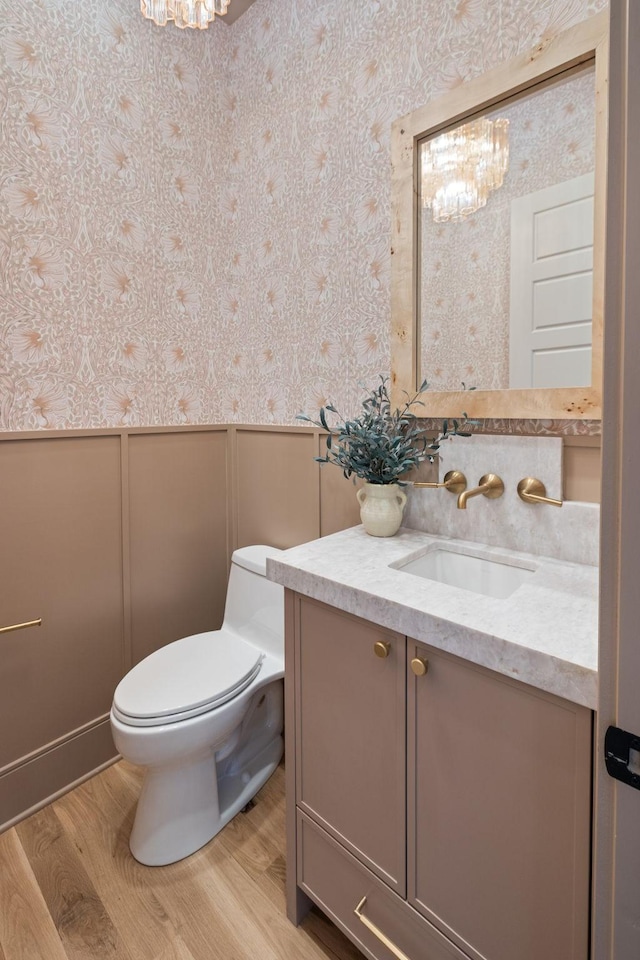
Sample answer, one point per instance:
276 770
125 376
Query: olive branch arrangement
381 445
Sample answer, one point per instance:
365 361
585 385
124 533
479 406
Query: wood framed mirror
504 234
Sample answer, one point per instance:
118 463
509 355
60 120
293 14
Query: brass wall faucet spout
454 482
490 486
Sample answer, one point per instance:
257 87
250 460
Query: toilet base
183 806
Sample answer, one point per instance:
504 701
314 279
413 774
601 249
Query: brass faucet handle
491 486
454 481
534 491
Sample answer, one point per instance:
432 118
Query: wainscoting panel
53 771
178 549
582 468
339 507
277 486
61 560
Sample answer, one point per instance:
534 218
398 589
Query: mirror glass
505 243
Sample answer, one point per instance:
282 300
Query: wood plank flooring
70 889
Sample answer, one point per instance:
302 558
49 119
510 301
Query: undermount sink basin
495 577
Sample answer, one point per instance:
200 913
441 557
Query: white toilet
205 716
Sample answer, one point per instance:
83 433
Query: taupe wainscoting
120 541
178 535
582 468
61 560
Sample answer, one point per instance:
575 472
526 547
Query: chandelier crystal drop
460 168
196 14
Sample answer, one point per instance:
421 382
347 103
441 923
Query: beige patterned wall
195 227
108 216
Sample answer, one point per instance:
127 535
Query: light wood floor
70 889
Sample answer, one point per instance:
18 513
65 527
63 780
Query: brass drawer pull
381 648
21 626
382 937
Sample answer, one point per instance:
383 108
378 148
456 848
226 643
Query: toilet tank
255 606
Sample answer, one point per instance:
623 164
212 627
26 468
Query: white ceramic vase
381 507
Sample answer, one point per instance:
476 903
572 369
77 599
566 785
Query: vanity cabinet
456 803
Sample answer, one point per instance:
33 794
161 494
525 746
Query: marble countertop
545 633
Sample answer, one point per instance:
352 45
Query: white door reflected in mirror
552 286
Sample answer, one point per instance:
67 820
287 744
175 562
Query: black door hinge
622 756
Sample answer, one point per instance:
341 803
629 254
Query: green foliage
382 445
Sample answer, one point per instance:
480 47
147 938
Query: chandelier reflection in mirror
461 167
197 14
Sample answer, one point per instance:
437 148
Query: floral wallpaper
108 216
194 227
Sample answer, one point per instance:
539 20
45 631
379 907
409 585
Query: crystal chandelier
185 13
461 167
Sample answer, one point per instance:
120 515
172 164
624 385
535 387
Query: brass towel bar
21 626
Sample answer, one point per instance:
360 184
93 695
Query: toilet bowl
204 715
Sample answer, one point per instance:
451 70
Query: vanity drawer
337 882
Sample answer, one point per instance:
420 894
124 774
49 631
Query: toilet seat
186 678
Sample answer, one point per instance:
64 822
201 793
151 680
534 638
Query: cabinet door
350 754
499 812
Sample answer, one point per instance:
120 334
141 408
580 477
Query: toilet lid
186 678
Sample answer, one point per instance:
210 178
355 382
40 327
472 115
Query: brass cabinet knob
381 648
419 666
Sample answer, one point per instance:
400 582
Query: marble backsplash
569 533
